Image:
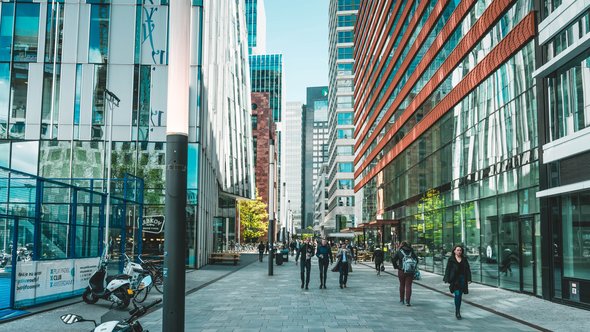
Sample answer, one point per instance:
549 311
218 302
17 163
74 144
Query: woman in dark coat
458 275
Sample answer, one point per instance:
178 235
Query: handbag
336 267
417 275
382 267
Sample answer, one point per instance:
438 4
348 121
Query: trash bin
285 254
279 258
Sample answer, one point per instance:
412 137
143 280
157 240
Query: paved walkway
250 300
245 298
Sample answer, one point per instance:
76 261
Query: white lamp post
110 101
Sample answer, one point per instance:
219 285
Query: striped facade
446 137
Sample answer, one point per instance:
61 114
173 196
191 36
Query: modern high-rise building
293 157
563 81
447 149
57 62
340 177
256 26
315 131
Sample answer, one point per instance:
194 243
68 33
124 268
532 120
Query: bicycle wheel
158 281
141 295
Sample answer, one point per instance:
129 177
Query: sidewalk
250 300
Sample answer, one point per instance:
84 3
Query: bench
220 257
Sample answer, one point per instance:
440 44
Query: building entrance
516 264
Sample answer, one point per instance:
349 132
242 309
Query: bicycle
156 272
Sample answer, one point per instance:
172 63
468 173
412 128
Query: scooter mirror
145 282
71 318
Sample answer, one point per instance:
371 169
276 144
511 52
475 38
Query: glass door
527 250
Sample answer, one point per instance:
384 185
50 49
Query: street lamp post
271 209
110 101
176 165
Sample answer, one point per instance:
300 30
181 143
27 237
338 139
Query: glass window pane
26 30
99 33
6 26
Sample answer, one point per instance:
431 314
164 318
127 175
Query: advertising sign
153 224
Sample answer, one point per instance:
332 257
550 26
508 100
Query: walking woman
458 275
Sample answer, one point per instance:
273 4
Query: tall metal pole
271 205
110 100
176 166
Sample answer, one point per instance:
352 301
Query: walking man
306 252
344 257
261 248
324 255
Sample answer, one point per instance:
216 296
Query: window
345 69
345 167
344 133
345 184
348 4
99 33
344 118
345 36
26 30
6 25
344 102
345 53
344 150
575 211
346 20
254 122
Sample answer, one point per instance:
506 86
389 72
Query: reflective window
348 4
346 20
344 118
344 150
345 36
569 100
19 84
345 53
55 159
50 101
26 30
99 33
344 133
345 68
4 98
575 211
54 32
22 159
6 29
345 167
345 184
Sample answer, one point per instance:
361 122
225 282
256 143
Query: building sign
153 224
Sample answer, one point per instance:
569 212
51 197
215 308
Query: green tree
253 219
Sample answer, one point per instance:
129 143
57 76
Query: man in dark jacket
403 260
378 259
324 255
306 251
261 248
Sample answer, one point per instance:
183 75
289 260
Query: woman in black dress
458 275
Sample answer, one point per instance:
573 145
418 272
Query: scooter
111 288
128 325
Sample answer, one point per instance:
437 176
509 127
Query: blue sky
299 30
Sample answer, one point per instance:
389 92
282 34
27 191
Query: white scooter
111 288
128 325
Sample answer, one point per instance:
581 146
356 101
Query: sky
299 30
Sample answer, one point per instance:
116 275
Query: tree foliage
253 219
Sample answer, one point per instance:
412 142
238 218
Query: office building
446 133
315 131
294 163
57 62
256 26
340 177
563 81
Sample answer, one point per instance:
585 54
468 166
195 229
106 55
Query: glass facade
564 108
54 118
454 170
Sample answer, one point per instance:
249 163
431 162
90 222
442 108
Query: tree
253 219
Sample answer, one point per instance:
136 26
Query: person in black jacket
405 276
378 259
458 275
261 248
324 255
306 251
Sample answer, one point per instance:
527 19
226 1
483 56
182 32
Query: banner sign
42 281
153 224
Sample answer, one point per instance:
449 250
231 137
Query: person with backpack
458 276
261 248
406 263
378 259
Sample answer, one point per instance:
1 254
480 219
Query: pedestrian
406 263
266 248
261 248
378 259
306 252
344 257
324 255
458 276
292 247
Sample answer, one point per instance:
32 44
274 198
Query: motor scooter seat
117 277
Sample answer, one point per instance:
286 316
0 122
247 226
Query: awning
341 235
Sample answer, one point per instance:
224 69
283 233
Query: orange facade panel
491 15
514 41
